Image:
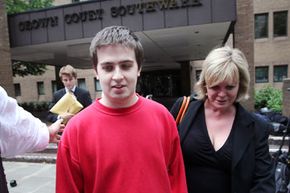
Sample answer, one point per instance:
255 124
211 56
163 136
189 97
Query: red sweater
128 150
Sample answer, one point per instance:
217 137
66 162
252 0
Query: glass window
197 74
53 86
261 74
261 25
280 23
17 89
159 83
280 72
97 85
82 83
40 88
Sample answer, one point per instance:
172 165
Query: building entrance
163 85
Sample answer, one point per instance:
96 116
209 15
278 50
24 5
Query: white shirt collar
73 89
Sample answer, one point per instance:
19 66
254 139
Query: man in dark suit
68 77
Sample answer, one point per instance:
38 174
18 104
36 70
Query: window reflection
159 83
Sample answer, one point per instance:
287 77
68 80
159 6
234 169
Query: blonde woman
225 148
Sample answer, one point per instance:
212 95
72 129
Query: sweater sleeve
68 172
20 131
176 169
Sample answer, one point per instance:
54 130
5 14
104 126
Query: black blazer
83 96
252 165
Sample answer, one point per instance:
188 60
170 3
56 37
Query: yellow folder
67 104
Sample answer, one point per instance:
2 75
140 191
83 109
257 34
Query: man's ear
96 74
139 71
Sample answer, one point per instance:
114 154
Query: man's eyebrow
127 61
122 61
106 63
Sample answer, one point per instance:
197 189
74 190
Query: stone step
51 148
277 140
274 148
48 155
34 157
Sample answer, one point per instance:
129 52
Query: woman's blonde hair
224 64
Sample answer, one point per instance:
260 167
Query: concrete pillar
286 97
6 75
244 40
59 84
185 73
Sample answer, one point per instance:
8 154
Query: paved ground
33 175
30 177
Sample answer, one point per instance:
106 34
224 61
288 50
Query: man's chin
119 96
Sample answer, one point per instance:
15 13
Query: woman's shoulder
178 103
260 125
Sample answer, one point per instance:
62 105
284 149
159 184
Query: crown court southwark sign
115 11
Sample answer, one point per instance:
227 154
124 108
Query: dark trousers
3 182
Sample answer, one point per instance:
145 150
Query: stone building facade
203 16
270 51
6 80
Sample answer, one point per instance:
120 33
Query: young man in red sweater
122 143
